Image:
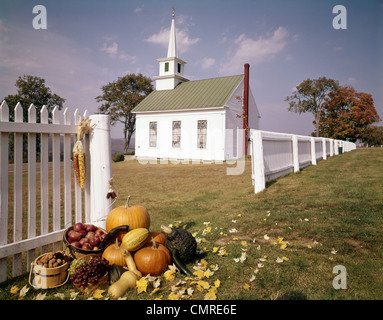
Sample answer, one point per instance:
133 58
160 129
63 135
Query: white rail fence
274 154
45 199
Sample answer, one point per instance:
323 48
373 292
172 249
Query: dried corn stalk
79 152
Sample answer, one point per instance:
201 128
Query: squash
113 253
153 259
135 216
135 239
128 278
127 281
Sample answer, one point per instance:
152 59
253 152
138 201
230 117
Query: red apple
99 233
91 227
95 241
87 246
82 232
83 241
76 244
90 235
73 236
78 226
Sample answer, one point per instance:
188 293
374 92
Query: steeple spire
172 48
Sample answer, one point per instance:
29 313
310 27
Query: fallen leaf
154 291
217 283
310 247
98 294
156 283
24 291
198 273
40 296
286 259
266 237
246 286
333 251
173 296
252 278
203 262
141 285
208 273
244 243
215 249
170 275
14 289
283 245
59 295
190 291
211 294
233 230
173 267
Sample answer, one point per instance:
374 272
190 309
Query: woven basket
91 287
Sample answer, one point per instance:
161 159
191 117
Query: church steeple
172 48
171 68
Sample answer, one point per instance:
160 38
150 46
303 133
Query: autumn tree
120 97
309 96
347 114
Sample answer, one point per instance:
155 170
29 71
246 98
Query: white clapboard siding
55 181
274 154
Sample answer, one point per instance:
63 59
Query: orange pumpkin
153 259
159 237
135 216
114 254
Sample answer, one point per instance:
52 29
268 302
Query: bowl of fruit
83 239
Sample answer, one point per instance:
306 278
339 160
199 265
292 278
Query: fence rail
52 197
274 154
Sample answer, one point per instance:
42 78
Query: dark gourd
115 273
181 240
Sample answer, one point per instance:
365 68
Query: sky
89 43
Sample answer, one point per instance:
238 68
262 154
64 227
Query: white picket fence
49 186
274 154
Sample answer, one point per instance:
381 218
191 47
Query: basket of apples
83 239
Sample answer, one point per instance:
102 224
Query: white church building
201 120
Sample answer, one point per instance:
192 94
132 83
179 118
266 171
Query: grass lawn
290 236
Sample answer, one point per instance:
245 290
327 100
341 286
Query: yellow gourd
135 239
128 278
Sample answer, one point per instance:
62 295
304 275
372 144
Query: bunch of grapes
91 272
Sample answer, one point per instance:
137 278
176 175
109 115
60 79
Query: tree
347 114
373 136
309 97
120 97
31 89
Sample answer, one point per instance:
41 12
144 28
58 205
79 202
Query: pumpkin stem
127 203
154 246
117 245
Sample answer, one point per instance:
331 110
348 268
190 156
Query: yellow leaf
154 291
159 298
235 239
203 262
14 289
141 285
198 273
204 284
279 240
286 259
244 243
239 215
210 295
283 245
217 283
98 293
208 273
246 286
308 246
173 296
170 275
40 296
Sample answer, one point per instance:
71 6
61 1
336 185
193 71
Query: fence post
100 168
313 153
295 153
258 164
324 148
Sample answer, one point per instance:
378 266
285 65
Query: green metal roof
197 94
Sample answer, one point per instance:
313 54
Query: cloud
113 51
254 51
207 63
137 10
184 41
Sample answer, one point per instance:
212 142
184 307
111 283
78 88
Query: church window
176 134
166 66
179 68
153 134
202 134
